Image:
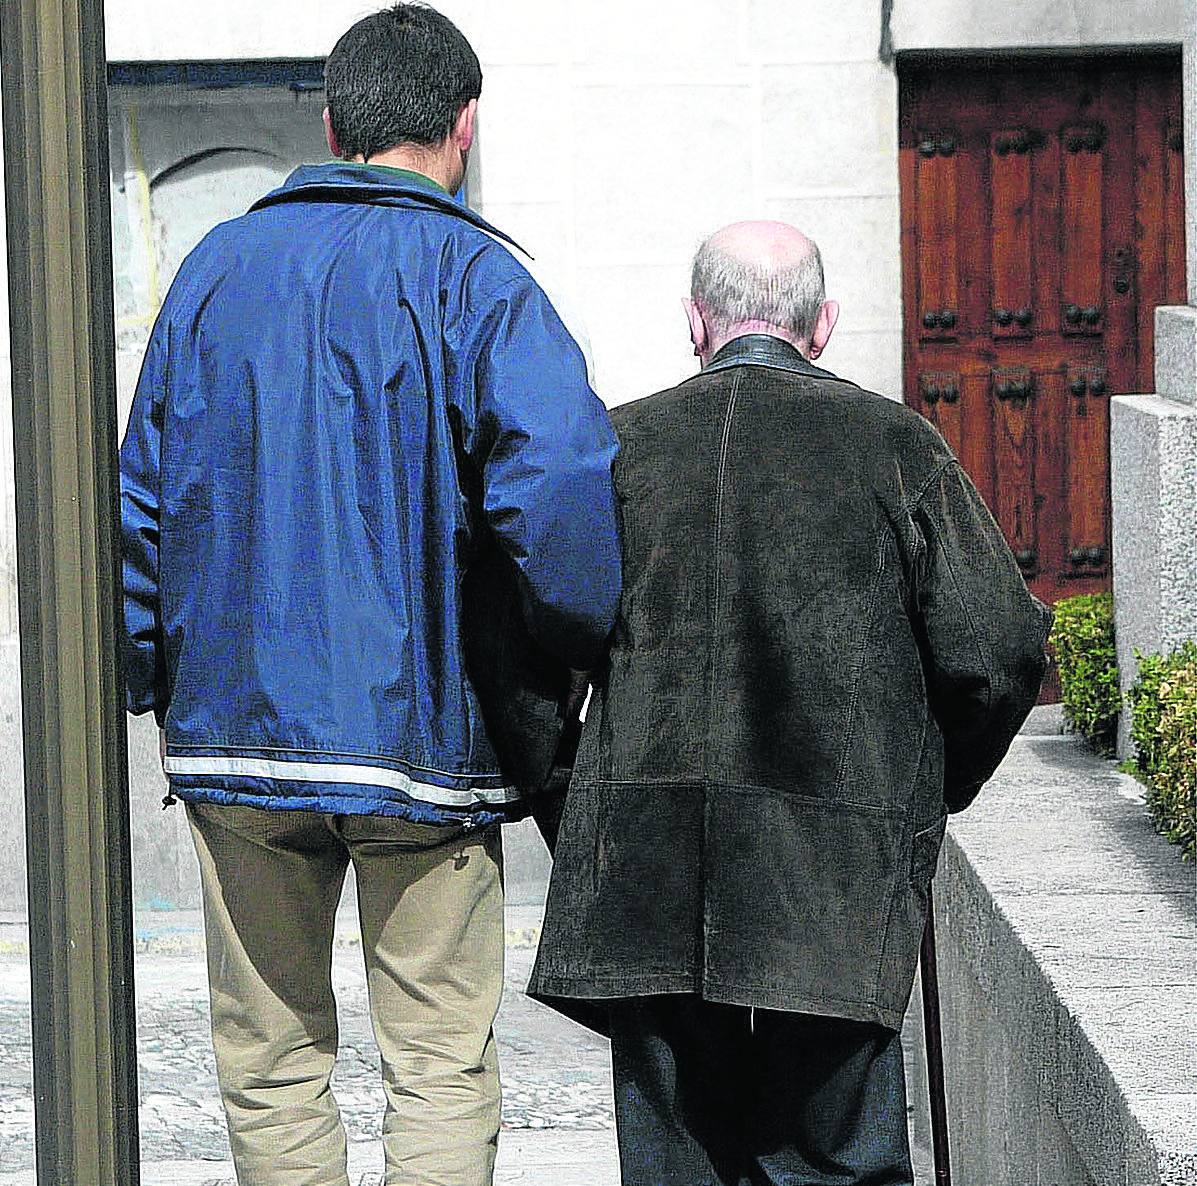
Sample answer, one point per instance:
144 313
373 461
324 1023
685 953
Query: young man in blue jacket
368 525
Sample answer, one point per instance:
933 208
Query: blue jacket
352 392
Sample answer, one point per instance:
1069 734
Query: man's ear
464 128
331 136
698 327
829 314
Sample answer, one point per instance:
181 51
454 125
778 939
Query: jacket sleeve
983 634
545 447
142 649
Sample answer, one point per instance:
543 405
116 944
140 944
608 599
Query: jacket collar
764 350
371 186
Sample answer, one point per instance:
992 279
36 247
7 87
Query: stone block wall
613 137
1036 24
652 126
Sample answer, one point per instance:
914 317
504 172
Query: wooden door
1042 223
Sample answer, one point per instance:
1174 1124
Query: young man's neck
433 164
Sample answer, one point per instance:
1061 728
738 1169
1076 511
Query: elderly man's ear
698 327
829 314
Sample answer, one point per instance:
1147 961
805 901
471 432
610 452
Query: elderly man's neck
719 340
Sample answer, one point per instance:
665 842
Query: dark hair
399 76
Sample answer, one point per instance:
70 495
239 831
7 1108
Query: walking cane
934 1035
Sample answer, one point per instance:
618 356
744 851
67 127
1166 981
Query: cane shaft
934 1036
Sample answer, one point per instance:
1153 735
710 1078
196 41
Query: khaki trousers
431 909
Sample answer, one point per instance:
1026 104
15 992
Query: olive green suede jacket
824 646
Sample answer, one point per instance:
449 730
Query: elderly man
824 646
368 525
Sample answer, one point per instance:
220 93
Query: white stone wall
154 31
615 136
1036 24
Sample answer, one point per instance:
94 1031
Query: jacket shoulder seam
918 496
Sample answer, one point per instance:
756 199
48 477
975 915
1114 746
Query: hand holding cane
548 803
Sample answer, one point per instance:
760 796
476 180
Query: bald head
769 246
759 277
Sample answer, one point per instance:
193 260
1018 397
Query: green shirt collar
407 174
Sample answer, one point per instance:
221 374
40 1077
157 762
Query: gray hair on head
732 290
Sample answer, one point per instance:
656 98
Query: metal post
65 423
934 1032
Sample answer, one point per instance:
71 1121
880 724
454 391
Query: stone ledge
1067 933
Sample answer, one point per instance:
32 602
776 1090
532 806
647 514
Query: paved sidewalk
557 1118
558 1127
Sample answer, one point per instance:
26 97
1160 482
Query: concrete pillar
1153 462
1153 473
8 531
65 445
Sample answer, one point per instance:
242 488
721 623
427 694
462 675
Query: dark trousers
706 1095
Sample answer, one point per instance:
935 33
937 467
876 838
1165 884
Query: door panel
1011 259
1081 208
1086 488
1043 210
938 217
1013 394
1051 488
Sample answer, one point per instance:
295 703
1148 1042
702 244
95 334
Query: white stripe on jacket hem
371 776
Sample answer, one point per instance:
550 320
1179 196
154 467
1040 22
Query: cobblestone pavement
556 1077
557 1110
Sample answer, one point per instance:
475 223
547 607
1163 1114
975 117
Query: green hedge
1163 703
1082 643
1163 706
